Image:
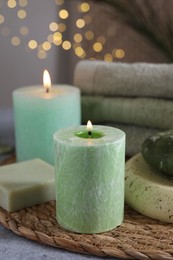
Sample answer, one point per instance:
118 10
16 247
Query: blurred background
56 34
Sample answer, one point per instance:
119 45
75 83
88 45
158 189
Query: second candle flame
46 81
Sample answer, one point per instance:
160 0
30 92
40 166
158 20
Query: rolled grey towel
148 112
123 79
135 136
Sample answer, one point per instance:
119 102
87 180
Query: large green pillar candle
89 178
39 114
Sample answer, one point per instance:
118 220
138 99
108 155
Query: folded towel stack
137 98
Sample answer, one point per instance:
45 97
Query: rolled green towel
123 79
147 112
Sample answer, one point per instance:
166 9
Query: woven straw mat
138 237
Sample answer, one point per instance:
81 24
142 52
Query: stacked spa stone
137 98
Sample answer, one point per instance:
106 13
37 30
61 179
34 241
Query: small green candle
89 178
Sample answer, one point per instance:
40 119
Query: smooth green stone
157 151
90 179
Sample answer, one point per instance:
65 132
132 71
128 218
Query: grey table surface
15 247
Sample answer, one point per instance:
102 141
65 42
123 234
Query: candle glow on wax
46 81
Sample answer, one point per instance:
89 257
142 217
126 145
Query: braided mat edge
137 238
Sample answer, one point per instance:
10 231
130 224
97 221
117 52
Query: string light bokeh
85 42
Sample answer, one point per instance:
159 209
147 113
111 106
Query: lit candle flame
46 81
89 127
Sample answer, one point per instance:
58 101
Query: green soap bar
147 191
157 151
26 184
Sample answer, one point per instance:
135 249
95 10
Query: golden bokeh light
15 41
83 7
66 45
57 38
57 35
84 40
77 37
119 53
63 14
80 23
32 44
97 47
79 51
11 3
46 46
21 14
53 26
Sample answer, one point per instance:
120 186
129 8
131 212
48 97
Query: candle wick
47 90
89 133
